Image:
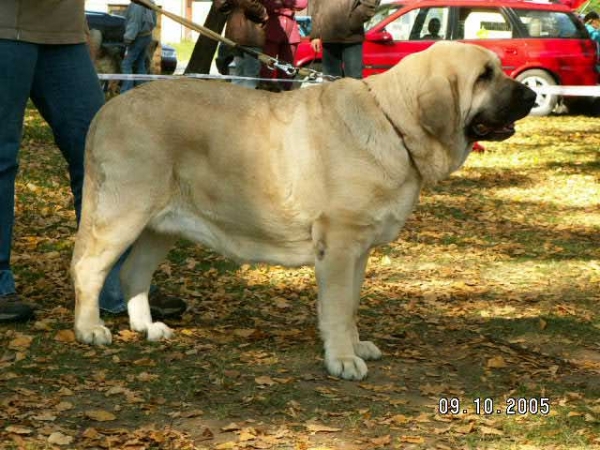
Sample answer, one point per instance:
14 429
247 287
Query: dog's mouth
487 132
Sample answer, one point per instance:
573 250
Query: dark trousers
63 85
343 60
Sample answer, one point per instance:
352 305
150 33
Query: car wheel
300 83
535 78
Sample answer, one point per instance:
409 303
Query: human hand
316 45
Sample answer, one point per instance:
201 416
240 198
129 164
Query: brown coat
341 21
43 21
245 22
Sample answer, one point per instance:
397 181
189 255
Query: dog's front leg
340 269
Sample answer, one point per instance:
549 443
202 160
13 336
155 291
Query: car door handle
511 51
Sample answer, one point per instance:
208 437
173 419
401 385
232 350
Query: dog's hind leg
136 275
96 250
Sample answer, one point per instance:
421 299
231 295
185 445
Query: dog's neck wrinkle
397 130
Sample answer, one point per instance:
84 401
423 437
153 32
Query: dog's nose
529 95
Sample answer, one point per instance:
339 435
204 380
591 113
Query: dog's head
467 90
447 97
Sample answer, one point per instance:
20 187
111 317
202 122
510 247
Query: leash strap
268 61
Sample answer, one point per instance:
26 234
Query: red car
539 43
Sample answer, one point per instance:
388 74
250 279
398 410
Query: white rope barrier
575 91
201 76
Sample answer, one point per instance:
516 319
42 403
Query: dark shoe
14 310
165 307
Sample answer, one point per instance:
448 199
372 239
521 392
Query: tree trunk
205 47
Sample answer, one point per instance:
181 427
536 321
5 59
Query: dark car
112 28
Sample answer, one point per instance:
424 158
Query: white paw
158 331
347 367
367 350
98 335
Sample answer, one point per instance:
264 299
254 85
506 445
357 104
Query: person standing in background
282 36
245 26
592 24
44 57
139 24
338 31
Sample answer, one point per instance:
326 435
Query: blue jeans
135 57
63 85
343 60
247 66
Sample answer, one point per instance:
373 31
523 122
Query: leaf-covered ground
489 296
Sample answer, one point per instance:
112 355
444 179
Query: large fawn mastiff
317 176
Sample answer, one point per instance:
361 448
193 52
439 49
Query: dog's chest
392 219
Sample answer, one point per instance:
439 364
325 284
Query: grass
491 291
184 50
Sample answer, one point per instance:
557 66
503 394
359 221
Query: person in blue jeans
44 57
139 23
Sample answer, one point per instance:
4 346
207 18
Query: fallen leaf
412 439
58 438
65 336
497 362
192 413
45 417
490 431
18 429
316 428
383 440
264 381
231 427
20 342
100 415
464 429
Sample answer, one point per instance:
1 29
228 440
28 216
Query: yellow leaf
16 429
231 427
496 362
100 415
491 431
264 381
383 440
316 428
465 429
91 433
399 419
65 336
247 434
193 413
412 439
57 438
20 342
45 417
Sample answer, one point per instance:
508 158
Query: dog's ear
437 105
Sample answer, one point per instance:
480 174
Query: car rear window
483 23
550 24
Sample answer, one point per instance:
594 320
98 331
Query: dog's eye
487 74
